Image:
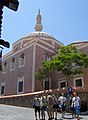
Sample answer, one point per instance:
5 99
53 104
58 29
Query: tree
44 72
70 62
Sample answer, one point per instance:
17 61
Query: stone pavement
8 112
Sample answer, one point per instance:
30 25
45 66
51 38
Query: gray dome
38 29
39 34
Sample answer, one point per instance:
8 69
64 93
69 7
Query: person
76 104
62 103
43 106
37 106
55 107
71 107
50 103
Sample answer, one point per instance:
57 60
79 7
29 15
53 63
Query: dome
38 29
39 34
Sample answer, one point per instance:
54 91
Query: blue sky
66 20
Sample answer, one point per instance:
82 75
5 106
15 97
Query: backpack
50 100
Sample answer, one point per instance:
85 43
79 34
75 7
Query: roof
39 34
79 43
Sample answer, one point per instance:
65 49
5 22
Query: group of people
52 104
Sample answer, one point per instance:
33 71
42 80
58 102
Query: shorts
55 106
50 108
43 108
37 109
63 107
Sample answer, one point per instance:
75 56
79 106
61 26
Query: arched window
20 85
12 64
5 67
22 60
2 88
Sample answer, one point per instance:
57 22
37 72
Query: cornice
26 47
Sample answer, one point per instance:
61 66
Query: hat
74 93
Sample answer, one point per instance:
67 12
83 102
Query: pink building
20 64
80 81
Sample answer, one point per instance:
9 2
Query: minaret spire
39 12
38 25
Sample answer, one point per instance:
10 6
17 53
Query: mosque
20 64
25 58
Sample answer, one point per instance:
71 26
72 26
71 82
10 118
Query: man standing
43 106
62 103
37 106
76 104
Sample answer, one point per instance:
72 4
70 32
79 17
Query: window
12 64
46 57
20 87
78 82
5 67
62 84
16 49
47 84
22 60
2 88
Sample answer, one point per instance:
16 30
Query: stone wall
23 100
26 100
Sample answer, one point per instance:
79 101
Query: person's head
62 94
36 96
75 94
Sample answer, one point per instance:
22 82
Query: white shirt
76 101
62 99
37 101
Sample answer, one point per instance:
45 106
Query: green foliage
69 61
66 50
45 71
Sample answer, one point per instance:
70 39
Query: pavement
8 112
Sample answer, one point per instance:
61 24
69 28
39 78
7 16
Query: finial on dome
38 25
39 12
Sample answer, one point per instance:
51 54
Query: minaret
38 25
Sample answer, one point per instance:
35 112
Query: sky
65 20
